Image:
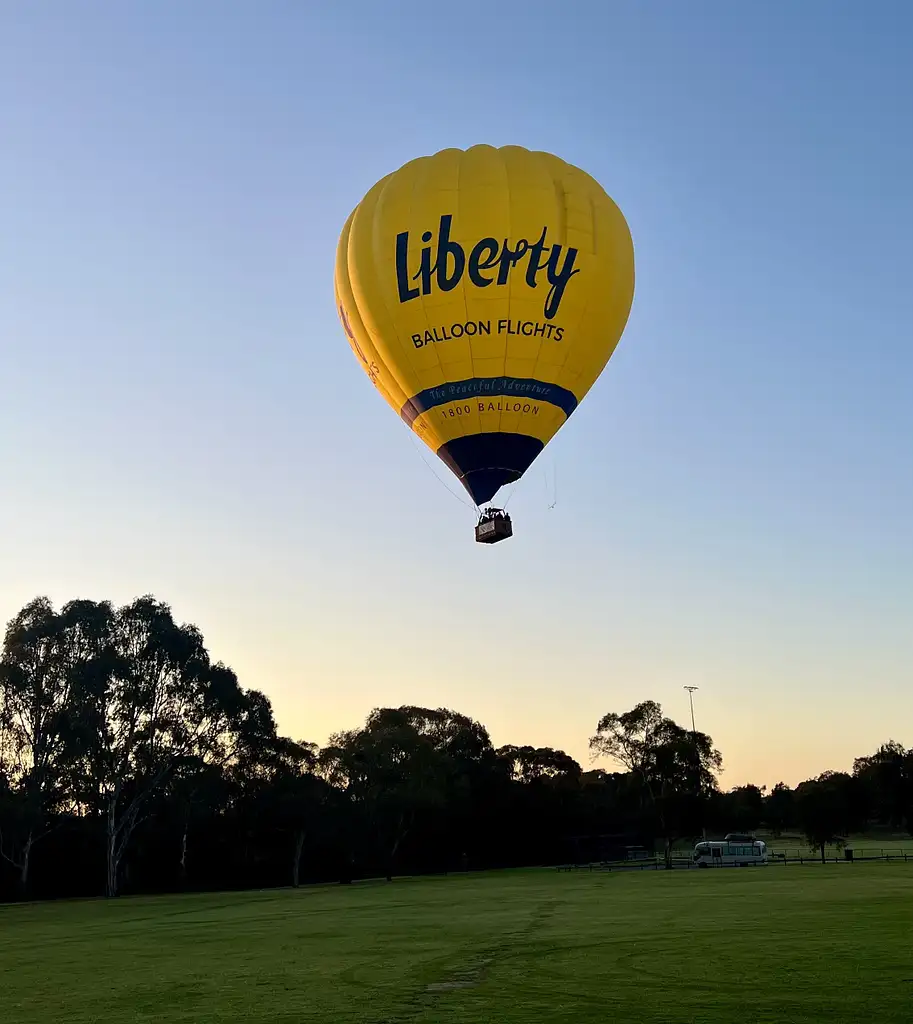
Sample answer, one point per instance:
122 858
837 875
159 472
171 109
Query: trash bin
848 853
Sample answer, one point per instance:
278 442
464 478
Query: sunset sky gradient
181 413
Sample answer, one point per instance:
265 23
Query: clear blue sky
181 413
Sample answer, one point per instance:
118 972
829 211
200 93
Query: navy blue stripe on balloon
489 387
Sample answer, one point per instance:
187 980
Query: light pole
691 690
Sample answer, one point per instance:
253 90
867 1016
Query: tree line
130 761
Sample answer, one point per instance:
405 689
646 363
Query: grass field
785 944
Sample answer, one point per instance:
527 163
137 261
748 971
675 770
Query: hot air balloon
484 291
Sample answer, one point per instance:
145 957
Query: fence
839 856
775 857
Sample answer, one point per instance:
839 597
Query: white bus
729 854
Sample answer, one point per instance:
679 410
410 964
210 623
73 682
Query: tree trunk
184 854
114 848
111 852
20 863
24 867
111 873
391 857
823 857
296 862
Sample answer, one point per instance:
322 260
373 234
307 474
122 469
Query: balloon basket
494 525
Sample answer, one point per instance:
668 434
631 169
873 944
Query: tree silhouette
675 767
130 761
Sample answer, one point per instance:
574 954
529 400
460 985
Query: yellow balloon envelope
484 291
